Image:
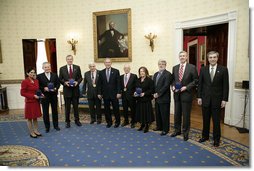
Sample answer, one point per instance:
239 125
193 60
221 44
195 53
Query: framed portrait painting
112 35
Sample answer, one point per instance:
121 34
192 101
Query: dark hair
145 69
29 69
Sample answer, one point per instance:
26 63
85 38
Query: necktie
181 73
70 72
157 78
212 74
125 80
108 74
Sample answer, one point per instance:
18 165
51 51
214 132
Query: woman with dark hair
144 95
29 89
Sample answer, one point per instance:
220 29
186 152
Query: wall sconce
73 44
151 38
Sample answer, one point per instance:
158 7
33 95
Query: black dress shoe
216 144
47 130
157 129
38 135
116 125
78 123
57 128
203 139
146 129
141 127
185 138
163 133
92 122
68 125
133 125
175 134
32 136
108 125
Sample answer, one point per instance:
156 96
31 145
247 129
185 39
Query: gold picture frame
112 35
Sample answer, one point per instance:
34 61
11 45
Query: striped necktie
181 73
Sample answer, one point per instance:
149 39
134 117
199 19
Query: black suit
90 88
110 46
183 100
212 94
50 98
109 90
162 103
128 99
71 94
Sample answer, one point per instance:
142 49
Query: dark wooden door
217 40
29 53
193 54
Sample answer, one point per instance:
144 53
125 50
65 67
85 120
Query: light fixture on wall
151 38
73 44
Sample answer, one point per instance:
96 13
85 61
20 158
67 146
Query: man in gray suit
70 77
162 80
213 88
185 78
90 87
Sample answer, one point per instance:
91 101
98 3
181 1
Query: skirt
144 112
32 110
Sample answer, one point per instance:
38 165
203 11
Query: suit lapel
128 79
177 72
208 73
185 71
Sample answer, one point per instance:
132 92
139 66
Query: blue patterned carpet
98 146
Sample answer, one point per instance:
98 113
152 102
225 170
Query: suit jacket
109 89
213 92
64 76
28 90
88 87
190 80
163 86
147 87
43 82
110 42
130 87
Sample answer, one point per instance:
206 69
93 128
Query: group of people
136 92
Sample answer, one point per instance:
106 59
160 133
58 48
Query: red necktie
181 73
70 72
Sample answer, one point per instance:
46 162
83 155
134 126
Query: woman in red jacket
29 87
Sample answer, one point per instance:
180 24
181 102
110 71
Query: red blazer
28 90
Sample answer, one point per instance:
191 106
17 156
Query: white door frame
231 19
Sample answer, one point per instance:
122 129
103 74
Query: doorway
199 41
31 53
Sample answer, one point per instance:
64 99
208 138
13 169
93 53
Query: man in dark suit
90 87
110 92
108 41
162 80
128 84
49 85
185 78
70 77
213 88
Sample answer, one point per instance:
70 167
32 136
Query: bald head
126 68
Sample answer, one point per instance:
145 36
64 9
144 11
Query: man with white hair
90 88
162 80
128 84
